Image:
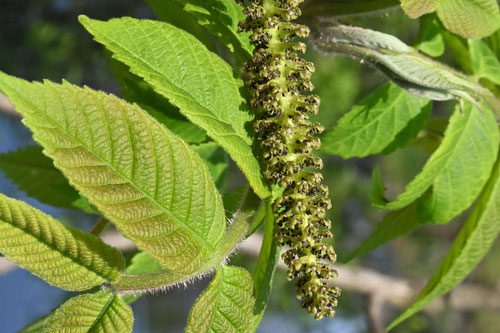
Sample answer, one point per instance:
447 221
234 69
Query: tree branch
382 289
7 107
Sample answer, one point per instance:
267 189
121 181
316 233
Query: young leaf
372 124
65 257
38 326
220 17
100 313
458 169
484 62
36 175
430 40
226 305
263 273
197 81
144 179
403 65
470 19
470 246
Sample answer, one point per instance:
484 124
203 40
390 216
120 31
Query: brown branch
7 107
380 288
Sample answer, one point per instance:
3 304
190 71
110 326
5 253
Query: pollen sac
280 84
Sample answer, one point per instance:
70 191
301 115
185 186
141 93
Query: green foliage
372 124
469 248
164 215
64 257
36 175
267 263
484 62
220 17
192 78
457 170
226 305
100 313
468 18
430 40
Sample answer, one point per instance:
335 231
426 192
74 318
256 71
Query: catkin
281 87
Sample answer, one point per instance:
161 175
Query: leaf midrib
167 212
183 93
102 313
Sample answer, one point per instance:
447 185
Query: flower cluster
281 84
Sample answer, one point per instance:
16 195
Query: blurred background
43 39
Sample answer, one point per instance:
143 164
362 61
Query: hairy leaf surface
36 175
98 313
457 170
226 305
372 124
469 248
197 81
484 62
468 18
63 256
144 179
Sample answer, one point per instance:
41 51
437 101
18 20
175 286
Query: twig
99 227
7 107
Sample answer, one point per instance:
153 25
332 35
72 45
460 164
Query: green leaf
172 12
197 81
430 40
394 224
470 246
372 124
65 257
36 175
140 176
468 18
226 305
220 17
143 263
135 90
215 159
457 170
484 62
263 273
99 313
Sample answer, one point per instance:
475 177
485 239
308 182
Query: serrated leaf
63 256
469 248
197 81
144 179
483 61
35 174
226 305
457 170
372 124
98 313
394 224
267 263
430 40
172 12
220 17
135 90
468 18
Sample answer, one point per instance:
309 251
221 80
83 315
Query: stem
99 227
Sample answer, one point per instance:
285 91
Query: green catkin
280 84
